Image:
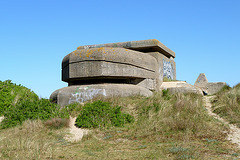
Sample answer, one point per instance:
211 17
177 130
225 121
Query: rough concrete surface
166 67
95 69
180 87
209 88
117 55
82 93
201 78
143 45
215 87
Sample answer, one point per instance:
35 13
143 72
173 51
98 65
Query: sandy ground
234 135
75 134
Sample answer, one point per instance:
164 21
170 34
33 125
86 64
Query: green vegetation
227 104
102 114
165 127
166 79
17 104
11 94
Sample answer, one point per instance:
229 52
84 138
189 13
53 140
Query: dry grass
29 141
227 104
57 123
178 128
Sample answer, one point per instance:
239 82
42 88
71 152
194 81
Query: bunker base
82 93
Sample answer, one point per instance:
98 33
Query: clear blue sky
35 35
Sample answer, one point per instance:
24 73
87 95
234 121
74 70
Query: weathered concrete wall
166 66
108 62
215 87
82 93
206 87
151 45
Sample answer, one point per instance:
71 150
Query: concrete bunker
115 69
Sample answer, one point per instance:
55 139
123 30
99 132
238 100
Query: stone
181 87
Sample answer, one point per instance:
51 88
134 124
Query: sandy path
234 135
76 134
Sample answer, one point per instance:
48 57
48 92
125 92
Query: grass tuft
57 123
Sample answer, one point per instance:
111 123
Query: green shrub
102 114
31 108
11 94
73 109
165 94
18 103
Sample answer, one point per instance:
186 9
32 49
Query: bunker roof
151 45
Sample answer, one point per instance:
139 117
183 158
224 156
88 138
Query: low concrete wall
82 93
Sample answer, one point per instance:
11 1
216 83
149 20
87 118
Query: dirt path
234 135
75 134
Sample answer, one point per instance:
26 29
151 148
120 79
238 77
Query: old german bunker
115 69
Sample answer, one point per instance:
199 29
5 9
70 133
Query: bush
18 103
11 94
31 108
102 114
72 109
165 94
